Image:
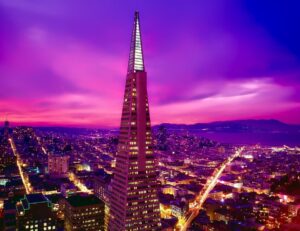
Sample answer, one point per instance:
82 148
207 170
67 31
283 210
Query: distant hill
267 132
248 126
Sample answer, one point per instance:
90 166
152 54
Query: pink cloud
59 71
257 98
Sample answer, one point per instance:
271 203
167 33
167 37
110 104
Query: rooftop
83 200
36 198
31 199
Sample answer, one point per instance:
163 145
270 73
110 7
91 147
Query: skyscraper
134 202
7 157
6 129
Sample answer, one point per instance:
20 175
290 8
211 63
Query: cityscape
146 165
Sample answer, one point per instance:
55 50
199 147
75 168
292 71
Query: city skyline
195 127
64 66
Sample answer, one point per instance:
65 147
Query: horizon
67 67
80 126
152 119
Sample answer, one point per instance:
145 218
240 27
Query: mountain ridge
249 125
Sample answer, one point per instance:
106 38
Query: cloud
241 99
43 83
63 64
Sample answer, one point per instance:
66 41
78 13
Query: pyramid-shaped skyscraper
134 203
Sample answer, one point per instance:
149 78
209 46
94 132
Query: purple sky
64 62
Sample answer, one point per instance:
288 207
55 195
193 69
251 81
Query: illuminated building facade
6 155
7 158
58 165
84 212
134 202
101 185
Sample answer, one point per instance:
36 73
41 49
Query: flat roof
36 198
83 200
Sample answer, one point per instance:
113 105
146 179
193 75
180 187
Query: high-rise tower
6 129
134 202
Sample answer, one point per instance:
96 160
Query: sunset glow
66 66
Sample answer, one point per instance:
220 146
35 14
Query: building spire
136 59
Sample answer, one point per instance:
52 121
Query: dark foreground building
35 213
134 202
9 216
84 212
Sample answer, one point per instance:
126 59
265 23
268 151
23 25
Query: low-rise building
35 213
58 165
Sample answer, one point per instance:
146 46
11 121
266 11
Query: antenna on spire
136 59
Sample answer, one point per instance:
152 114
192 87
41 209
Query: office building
83 212
58 165
134 204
